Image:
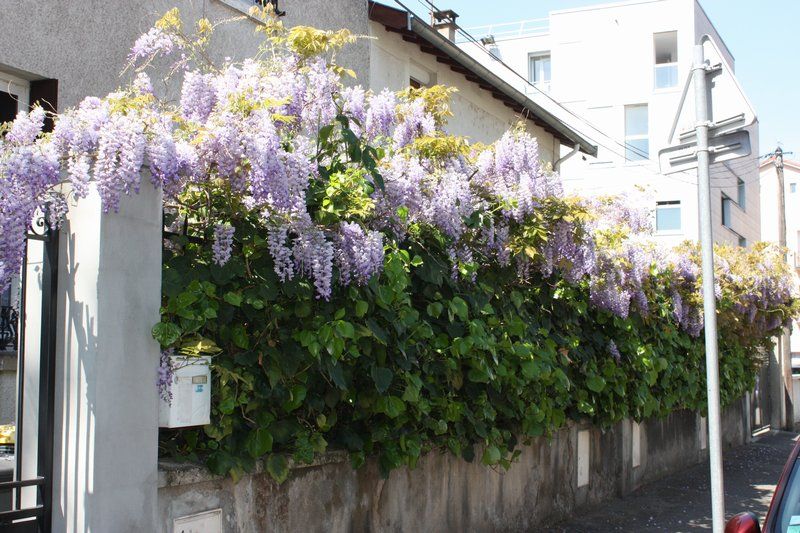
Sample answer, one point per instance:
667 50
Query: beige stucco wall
477 114
84 45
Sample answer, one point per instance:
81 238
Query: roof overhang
413 30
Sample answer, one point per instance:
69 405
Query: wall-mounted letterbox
191 394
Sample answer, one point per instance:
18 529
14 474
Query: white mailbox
191 394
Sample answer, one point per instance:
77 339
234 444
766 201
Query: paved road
681 502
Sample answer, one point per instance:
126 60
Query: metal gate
26 500
760 401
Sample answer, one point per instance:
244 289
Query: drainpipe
557 164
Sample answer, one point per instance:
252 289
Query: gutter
557 164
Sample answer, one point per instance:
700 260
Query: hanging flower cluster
336 173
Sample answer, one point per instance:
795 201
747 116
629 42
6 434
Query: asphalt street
682 501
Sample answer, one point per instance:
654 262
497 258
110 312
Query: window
668 216
539 70
741 193
414 83
726 211
792 187
637 140
742 241
665 46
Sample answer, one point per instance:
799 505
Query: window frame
636 137
741 193
669 204
532 57
660 66
18 87
726 201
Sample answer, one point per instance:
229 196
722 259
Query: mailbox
191 394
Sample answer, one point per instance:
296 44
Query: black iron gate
16 514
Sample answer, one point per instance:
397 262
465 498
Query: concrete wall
445 493
106 415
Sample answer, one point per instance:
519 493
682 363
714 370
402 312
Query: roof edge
405 22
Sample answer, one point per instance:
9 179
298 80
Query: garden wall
445 493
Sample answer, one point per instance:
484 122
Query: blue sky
764 38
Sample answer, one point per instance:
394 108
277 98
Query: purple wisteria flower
223 243
359 253
166 375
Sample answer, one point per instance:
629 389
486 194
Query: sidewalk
682 502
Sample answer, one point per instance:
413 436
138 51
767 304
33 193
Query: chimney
445 22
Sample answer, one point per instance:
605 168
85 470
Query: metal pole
709 300
783 347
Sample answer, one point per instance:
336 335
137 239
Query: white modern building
620 70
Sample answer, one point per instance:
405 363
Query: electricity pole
699 74
783 351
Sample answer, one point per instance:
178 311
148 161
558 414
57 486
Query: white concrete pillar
106 403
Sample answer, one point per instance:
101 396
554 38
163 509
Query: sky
764 38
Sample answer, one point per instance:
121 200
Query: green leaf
459 307
361 308
278 467
595 383
259 442
233 298
166 333
226 405
435 309
392 406
382 378
345 329
491 455
239 336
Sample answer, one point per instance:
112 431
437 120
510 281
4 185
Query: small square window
792 187
742 241
539 70
668 216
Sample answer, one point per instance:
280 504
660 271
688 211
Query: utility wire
426 4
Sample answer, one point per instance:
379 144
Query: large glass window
665 46
539 70
637 139
668 216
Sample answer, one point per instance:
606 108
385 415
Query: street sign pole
699 71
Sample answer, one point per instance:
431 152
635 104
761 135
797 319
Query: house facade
621 69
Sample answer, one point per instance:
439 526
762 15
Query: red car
784 511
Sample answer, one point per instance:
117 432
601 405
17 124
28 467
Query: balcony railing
8 328
509 30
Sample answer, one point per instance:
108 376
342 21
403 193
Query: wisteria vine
259 132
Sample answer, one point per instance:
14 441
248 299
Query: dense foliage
365 281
